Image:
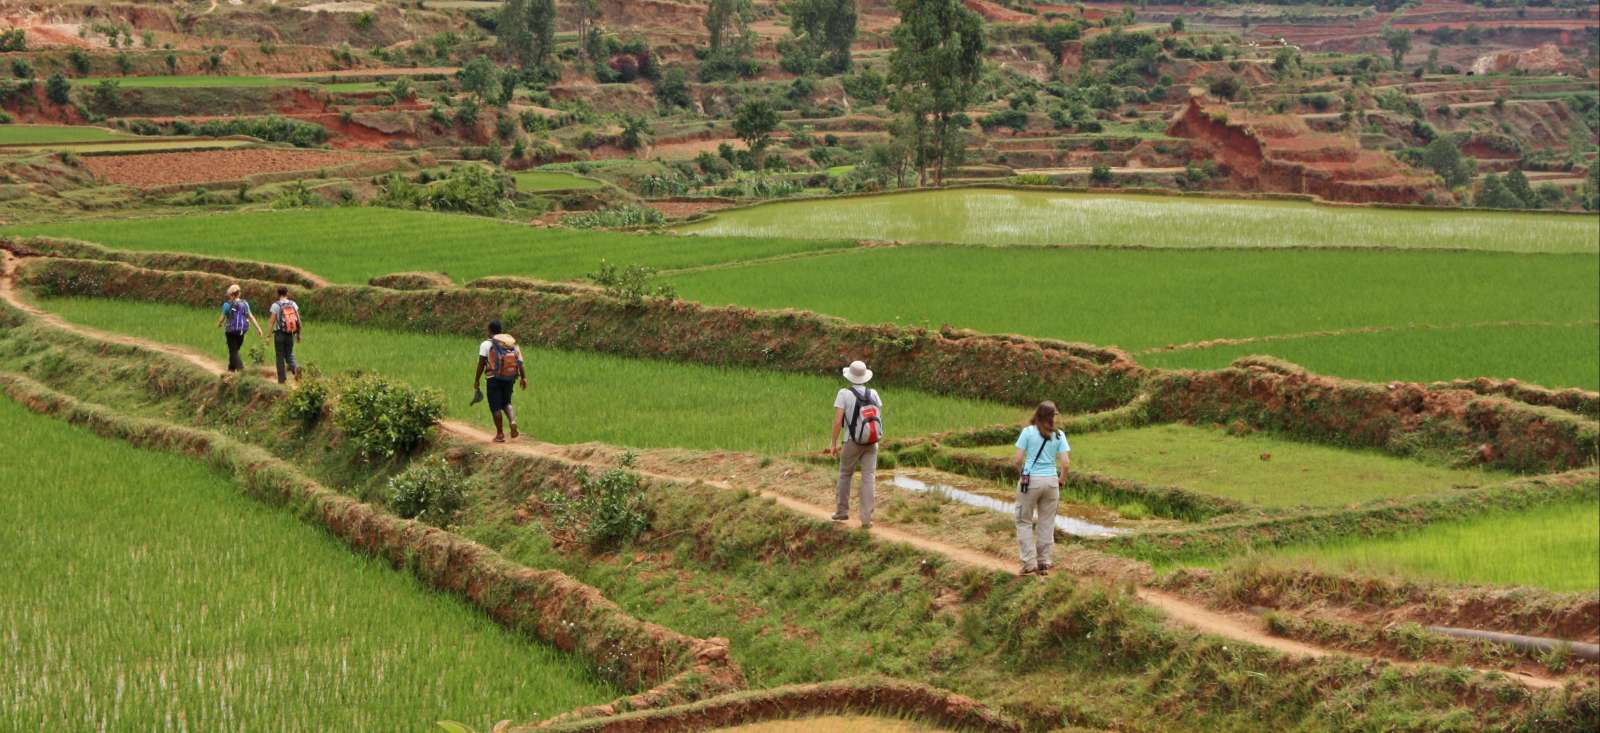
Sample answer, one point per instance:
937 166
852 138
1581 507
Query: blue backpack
238 317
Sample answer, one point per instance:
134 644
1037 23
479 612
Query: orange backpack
505 359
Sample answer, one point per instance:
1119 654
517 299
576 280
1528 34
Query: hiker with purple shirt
235 322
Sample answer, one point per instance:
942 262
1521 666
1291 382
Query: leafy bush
1100 174
271 129
306 404
630 284
296 196
429 491
382 417
469 189
58 89
607 511
1032 179
622 216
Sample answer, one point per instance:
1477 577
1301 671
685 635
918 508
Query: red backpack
288 317
866 420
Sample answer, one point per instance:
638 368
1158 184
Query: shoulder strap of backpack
855 414
1044 442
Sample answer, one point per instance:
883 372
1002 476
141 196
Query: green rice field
1136 299
573 397
1554 547
189 82
141 146
554 181
46 134
353 245
144 592
1008 217
1259 469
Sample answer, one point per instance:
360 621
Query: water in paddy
1072 519
1007 217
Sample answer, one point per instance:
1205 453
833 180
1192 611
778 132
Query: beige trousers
850 457
1036 520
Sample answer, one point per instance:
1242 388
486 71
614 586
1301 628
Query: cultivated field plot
554 181
353 245
142 587
1258 469
189 82
1552 547
47 134
1006 217
573 397
130 146
167 169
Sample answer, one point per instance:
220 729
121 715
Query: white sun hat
858 373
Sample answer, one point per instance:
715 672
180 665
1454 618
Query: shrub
58 89
622 216
429 491
607 511
296 196
1032 179
1100 174
630 284
306 404
382 417
271 129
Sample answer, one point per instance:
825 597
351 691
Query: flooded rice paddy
995 216
1078 520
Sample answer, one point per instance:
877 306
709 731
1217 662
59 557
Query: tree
588 24
57 89
753 123
1100 175
635 133
673 89
934 69
1444 158
526 29
1517 183
1495 195
480 77
727 21
105 99
822 32
1177 24
1399 42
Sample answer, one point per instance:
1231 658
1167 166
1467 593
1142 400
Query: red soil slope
1280 154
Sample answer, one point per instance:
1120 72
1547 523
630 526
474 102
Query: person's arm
272 318
1016 460
838 423
522 371
1064 456
257 324
477 378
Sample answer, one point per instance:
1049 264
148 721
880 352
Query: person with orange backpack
285 325
858 412
501 359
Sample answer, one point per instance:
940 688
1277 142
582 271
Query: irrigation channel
1071 525
1180 611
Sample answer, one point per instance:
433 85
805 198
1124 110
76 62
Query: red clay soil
997 14
151 170
685 209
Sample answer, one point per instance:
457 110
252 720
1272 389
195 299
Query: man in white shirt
857 411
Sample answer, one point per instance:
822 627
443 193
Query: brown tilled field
212 166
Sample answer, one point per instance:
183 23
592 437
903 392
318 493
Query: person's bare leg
511 415
499 432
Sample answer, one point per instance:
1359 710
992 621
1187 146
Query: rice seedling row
572 396
1011 217
44 134
144 592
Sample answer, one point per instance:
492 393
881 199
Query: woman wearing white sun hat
858 412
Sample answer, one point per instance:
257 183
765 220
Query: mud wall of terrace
1008 369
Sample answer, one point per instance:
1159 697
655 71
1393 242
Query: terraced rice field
573 397
189 82
1007 217
353 245
46 134
554 181
1553 547
144 592
128 146
1259 469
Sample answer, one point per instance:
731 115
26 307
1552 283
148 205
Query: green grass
553 181
1553 547
46 134
355 86
190 82
356 244
1566 354
573 396
143 146
1004 217
141 589
1210 461
1144 299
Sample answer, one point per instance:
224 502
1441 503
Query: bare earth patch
212 166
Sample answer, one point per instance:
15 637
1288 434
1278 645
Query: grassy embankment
1136 299
1553 547
573 396
1259 469
1009 217
142 588
355 244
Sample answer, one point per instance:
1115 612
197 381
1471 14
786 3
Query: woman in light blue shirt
1041 448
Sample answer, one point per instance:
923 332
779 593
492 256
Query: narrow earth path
1182 612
